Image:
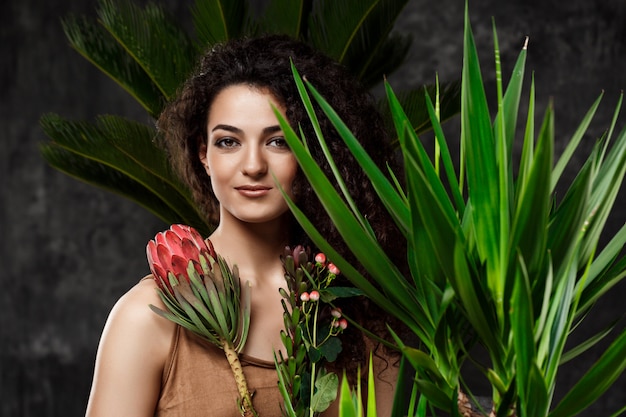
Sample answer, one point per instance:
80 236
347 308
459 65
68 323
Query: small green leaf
330 349
331 293
326 388
315 355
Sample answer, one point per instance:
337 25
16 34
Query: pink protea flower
171 251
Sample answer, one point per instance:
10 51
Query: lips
253 190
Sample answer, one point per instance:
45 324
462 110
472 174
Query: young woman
225 141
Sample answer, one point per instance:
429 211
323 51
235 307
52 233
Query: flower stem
247 410
313 370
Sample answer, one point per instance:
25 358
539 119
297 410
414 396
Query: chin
258 218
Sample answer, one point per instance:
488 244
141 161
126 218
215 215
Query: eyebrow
229 128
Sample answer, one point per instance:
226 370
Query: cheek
216 170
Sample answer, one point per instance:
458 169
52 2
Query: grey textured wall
69 250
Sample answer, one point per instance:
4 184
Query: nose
254 164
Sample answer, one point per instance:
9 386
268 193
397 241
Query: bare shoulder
136 302
133 317
131 355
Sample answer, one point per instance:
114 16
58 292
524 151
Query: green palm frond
96 44
220 20
388 56
118 151
153 39
289 17
355 33
106 178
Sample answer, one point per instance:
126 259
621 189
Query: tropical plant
495 258
149 54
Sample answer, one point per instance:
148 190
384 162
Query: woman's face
245 149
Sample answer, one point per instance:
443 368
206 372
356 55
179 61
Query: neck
251 245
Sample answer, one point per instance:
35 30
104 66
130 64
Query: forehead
241 101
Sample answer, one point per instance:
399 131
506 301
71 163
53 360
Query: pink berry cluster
312 296
320 259
338 321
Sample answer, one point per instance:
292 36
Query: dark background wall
68 250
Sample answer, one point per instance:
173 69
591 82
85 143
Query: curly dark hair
264 62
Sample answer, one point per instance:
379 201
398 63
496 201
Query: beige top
198 382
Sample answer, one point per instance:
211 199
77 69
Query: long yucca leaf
481 167
431 209
428 204
418 241
478 311
573 144
347 404
359 240
427 233
394 283
592 341
394 202
304 96
560 316
505 177
453 182
414 105
605 191
528 147
538 399
604 272
522 319
596 381
512 96
530 218
401 396
569 217
371 399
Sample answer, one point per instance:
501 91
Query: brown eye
226 143
278 142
